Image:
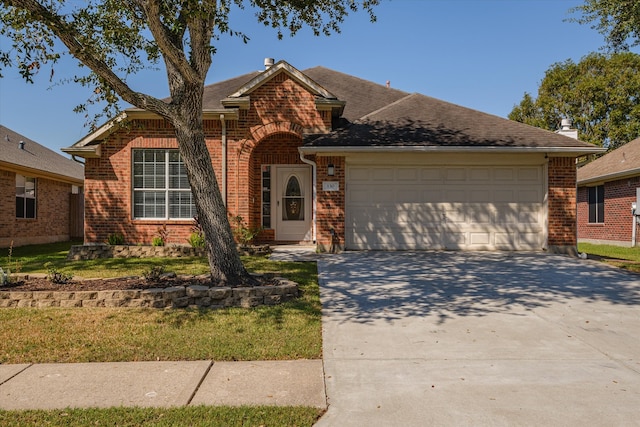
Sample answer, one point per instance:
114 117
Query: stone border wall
83 252
194 296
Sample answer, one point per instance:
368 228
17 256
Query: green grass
265 416
624 257
288 331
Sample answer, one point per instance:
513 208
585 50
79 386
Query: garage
439 203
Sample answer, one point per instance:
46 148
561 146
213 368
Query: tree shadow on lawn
364 287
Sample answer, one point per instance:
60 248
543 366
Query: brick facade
617 227
269 132
52 220
562 204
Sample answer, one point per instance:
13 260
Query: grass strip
210 416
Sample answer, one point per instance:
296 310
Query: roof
374 116
619 163
36 159
418 121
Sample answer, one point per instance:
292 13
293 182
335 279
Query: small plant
4 277
196 239
5 274
154 273
115 239
56 276
161 238
243 233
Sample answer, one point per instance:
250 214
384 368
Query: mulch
44 284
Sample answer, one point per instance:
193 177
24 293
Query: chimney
268 62
21 145
566 130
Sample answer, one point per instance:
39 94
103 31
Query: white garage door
445 207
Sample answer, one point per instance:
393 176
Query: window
160 186
266 196
596 204
25 197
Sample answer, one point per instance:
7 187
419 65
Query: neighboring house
40 193
606 189
325 157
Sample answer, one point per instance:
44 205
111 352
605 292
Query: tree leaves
600 94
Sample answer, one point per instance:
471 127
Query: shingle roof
622 161
419 120
382 117
36 157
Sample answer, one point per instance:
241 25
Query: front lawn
620 256
288 331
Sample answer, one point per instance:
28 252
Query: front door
293 203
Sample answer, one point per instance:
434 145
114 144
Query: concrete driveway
475 339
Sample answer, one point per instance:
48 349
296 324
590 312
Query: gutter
610 177
449 149
314 203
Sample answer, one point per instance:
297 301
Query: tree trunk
224 259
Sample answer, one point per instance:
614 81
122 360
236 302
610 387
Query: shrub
154 273
157 241
56 276
243 234
196 240
115 239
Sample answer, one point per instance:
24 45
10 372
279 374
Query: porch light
331 169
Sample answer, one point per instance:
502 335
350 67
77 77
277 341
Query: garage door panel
417 207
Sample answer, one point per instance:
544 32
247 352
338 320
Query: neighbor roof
621 162
36 159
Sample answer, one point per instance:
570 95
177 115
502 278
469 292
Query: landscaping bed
166 292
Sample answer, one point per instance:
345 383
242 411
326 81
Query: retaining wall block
70 303
181 302
44 303
153 294
63 295
86 295
219 293
197 291
92 303
21 295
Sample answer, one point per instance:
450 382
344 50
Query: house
323 157
607 187
41 193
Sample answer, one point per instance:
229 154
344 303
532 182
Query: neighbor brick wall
52 213
618 221
562 202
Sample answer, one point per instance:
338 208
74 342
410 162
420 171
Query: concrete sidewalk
162 384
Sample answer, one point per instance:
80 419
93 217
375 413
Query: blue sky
482 54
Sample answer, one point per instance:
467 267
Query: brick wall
618 221
52 213
331 205
562 203
269 132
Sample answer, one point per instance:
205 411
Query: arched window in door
293 201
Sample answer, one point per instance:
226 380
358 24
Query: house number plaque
330 186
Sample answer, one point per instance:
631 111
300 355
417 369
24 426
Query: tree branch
69 36
170 43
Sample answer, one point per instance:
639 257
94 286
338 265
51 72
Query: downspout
314 167
224 159
75 159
